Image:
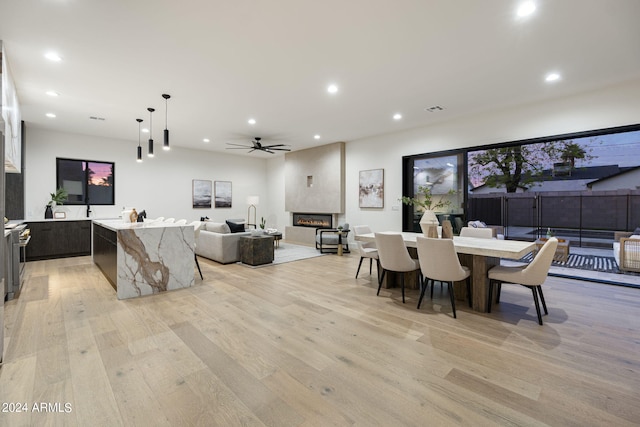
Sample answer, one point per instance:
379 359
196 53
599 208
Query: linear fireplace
315 220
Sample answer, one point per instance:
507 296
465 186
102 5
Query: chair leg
433 285
380 279
402 282
198 265
453 300
535 300
360 264
378 268
370 265
490 296
424 287
498 290
544 304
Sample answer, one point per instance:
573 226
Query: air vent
434 109
96 118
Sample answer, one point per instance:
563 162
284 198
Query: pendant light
165 146
139 160
150 153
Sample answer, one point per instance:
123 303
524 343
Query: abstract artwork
201 193
223 194
371 188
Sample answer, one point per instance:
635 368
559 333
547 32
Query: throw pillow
235 227
217 227
636 231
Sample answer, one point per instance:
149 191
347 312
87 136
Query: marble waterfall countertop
149 257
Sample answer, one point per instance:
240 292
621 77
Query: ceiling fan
257 145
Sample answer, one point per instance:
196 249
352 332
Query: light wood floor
306 344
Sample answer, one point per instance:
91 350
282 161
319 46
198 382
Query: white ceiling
224 62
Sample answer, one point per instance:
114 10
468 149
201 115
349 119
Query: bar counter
144 258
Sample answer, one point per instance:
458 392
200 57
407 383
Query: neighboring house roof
584 174
621 172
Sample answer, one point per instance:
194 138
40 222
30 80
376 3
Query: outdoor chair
482 233
531 276
626 251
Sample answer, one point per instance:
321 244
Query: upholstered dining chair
170 220
366 249
531 276
439 261
482 233
181 222
196 231
394 256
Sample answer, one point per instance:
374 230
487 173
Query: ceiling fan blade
239 145
275 145
237 148
280 149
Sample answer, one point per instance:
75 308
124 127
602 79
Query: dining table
478 254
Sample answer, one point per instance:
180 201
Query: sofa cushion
235 227
217 227
636 231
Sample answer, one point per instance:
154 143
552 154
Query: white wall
610 107
162 185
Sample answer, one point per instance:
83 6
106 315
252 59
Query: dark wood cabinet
59 239
105 253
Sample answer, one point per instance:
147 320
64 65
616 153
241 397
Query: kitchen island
144 258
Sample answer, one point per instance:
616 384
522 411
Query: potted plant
57 198
424 199
262 222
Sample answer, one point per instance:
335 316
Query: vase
429 224
48 212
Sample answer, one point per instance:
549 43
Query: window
87 182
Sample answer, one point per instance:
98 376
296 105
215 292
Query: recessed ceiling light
332 88
52 56
397 116
50 115
252 121
552 77
52 93
144 130
206 140
316 136
526 9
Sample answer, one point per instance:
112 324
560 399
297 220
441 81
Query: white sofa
217 242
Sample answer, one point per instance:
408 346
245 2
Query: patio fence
586 218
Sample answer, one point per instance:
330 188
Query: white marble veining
152 258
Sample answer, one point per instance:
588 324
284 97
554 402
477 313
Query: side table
277 236
256 250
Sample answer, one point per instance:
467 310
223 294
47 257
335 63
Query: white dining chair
170 220
482 233
439 261
181 222
531 276
366 249
394 256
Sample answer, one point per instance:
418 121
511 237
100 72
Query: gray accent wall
314 179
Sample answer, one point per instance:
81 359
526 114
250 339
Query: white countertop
118 224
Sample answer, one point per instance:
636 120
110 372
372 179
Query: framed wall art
371 188
222 194
201 190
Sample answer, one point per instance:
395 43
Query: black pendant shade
150 152
139 158
165 146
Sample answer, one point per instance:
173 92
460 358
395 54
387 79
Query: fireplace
314 220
